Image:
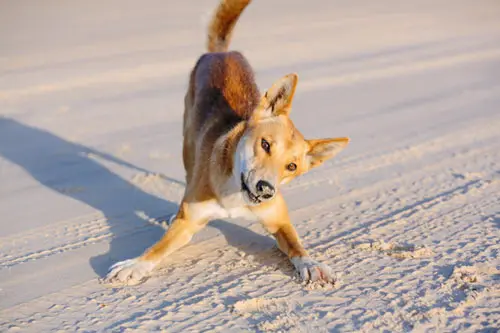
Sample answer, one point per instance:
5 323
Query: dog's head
272 151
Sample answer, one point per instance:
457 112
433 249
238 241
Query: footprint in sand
395 250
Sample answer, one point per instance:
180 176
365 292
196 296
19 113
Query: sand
91 97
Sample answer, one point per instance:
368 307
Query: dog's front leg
137 270
274 216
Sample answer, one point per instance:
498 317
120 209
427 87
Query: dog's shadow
68 169
262 249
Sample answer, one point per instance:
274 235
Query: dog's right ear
321 150
278 99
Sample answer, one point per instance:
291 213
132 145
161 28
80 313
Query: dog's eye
291 167
266 146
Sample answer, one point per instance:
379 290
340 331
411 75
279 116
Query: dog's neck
222 180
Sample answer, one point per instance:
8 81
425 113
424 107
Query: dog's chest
214 210
234 207
242 212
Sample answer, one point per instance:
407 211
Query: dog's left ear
278 99
324 149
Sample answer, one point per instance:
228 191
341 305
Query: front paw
310 270
128 272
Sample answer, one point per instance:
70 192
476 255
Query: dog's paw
128 272
310 270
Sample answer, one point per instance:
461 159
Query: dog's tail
222 24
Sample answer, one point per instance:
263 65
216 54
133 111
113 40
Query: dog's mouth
244 188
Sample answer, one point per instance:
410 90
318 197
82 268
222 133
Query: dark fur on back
222 90
224 82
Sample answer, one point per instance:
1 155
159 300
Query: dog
239 147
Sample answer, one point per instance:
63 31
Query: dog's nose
265 189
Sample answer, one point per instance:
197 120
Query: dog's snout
265 189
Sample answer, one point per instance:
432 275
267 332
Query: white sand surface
91 98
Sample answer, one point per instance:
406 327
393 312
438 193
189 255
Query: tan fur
221 28
234 138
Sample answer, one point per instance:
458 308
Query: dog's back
222 89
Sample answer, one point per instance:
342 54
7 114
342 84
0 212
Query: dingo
238 149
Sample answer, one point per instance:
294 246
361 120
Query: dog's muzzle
244 188
263 190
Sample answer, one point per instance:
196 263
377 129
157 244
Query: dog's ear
278 99
323 149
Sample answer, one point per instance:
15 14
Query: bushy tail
222 24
